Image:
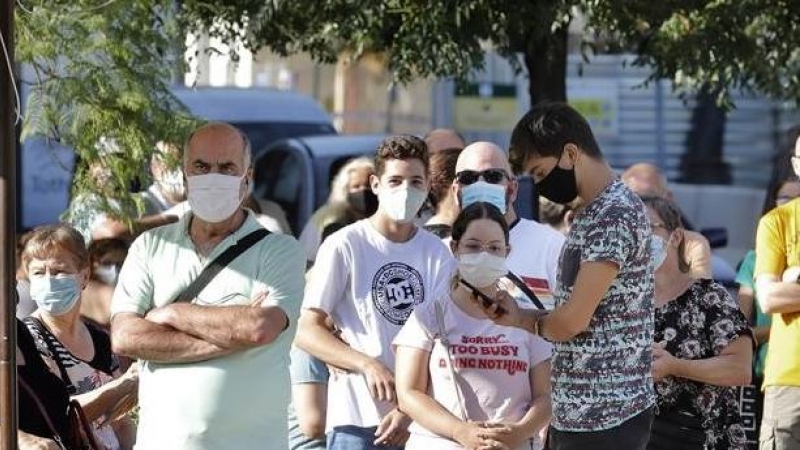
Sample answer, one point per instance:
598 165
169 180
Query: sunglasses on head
491 176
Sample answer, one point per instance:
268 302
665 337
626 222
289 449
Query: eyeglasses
474 246
492 176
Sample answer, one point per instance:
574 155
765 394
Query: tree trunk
546 61
702 162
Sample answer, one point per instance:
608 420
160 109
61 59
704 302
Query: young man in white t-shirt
483 173
368 278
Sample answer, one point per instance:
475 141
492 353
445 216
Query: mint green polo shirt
233 402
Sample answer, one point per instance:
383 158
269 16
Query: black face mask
559 185
364 201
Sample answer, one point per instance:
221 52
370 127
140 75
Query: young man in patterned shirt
602 326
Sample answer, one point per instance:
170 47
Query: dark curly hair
403 146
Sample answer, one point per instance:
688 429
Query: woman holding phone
466 381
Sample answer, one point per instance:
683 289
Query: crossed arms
184 333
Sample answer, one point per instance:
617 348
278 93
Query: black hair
476 211
546 129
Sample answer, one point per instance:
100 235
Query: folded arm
731 368
776 296
230 327
137 337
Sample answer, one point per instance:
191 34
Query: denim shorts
351 437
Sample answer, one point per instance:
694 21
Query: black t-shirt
50 390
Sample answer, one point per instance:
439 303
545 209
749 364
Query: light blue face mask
55 295
481 191
658 251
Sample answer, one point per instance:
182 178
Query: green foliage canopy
101 73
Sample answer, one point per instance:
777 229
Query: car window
279 176
263 134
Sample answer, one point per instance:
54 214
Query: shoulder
713 294
531 229
779 215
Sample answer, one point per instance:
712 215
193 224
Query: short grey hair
248 153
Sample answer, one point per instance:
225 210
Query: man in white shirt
368 278
215 368
483 173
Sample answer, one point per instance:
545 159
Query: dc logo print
396 290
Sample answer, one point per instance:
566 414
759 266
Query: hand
515 437
162 315
663 361
504 310
393 429
380 381
480 435
27 441
790 275
259 299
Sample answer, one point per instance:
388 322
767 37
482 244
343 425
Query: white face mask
172 184
215 197
401 203
481 269
107 273
658 251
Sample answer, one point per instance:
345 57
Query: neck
391 230
65 324
590 187
511 214
466 300
446 213
202 231
670 282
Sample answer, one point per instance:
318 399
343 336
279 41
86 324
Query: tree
718 45
101 74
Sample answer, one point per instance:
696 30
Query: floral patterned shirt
602 377
699 324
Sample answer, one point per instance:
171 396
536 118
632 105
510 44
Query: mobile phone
486 301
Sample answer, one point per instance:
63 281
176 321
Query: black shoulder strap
214 267
47 337
525 289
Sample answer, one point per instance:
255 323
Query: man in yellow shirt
777 275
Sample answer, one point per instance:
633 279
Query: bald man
646 179
483 173
442 138
211 361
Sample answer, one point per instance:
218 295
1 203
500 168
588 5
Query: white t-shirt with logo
369 286
535 250
492 364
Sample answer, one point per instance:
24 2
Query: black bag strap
525 289
43 411
48 337
214 267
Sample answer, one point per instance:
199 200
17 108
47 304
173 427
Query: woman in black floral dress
703 348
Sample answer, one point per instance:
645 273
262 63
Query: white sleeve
540 350
310 237
282 273
554 254
134 290
329 277
418 331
